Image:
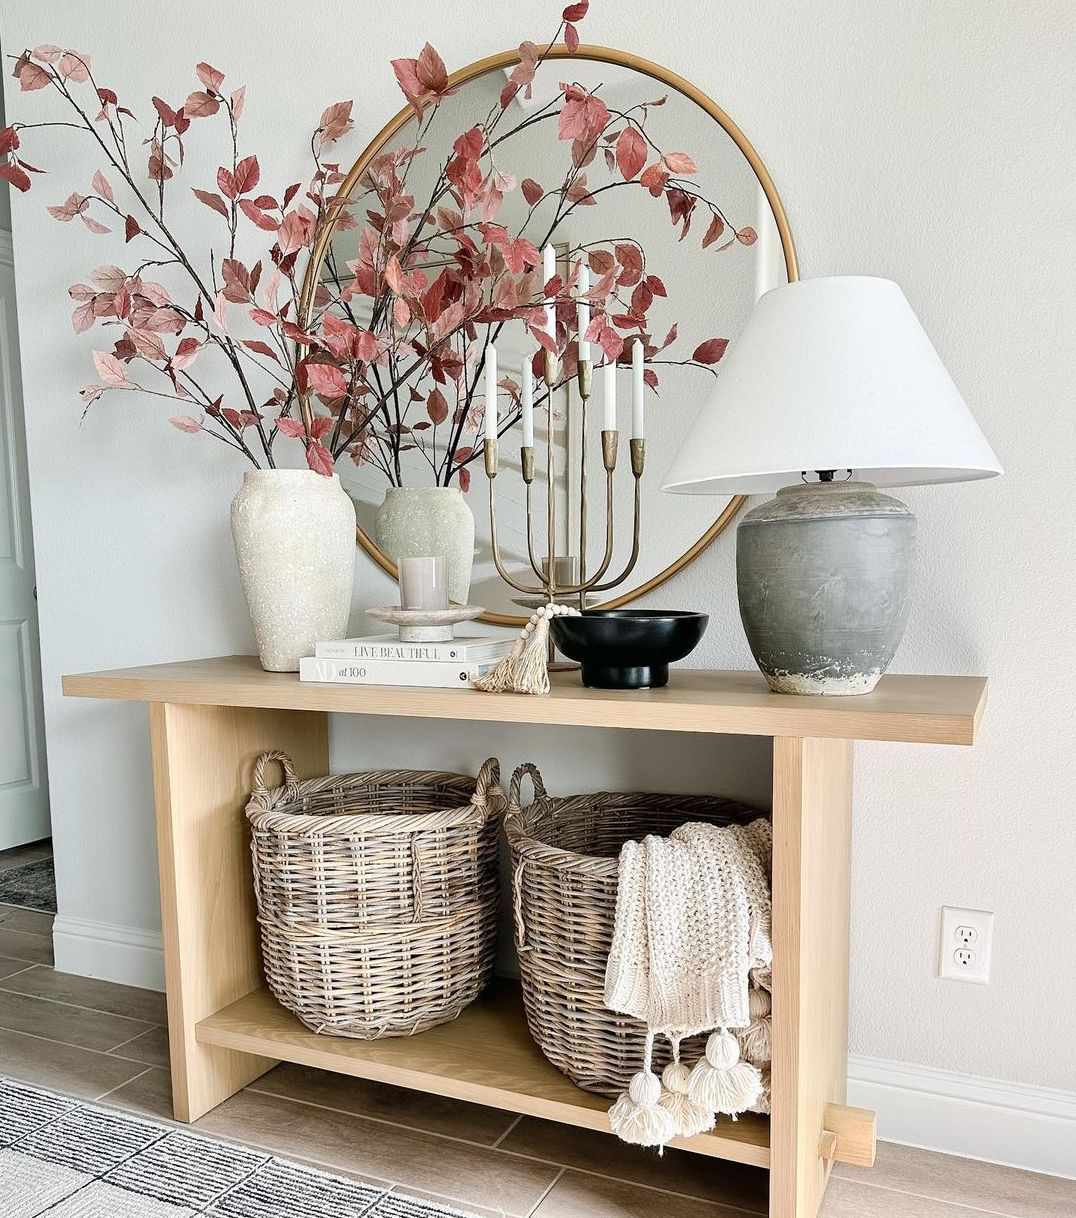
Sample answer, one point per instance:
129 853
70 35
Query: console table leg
203 757
812 805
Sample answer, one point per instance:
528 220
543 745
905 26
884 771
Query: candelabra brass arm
586 585
638 460
536 566
502 571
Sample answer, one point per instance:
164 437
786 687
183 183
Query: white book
433 674
475 649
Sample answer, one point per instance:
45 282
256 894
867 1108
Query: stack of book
381 659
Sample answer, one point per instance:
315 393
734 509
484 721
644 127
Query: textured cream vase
426 522
294 534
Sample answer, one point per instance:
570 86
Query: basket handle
487 785
291 779
521 771
517 907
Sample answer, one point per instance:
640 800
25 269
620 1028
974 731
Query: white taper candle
582 312
549 269
491 392
609 397
637 389
528 404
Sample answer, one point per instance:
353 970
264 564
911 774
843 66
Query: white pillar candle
528 404
609 397
549 269
637 389
491 392
582 312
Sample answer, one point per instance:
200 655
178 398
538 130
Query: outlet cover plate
966 944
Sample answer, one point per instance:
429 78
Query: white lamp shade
831 374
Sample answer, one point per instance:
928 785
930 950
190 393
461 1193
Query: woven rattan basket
564 886
377 894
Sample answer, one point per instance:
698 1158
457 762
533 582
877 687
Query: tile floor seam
51 1040
75 1006
541 1200
115 1050
362 1116
104 1094
401 1190
907 1192
70 1045
500 1150
30 934
519 1117
668 1192
29 968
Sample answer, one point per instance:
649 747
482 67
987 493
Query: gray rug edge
400 1203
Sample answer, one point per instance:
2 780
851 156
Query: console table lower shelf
486 1056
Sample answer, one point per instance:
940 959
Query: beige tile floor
108 1043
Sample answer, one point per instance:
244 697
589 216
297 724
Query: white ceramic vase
426 522
294 534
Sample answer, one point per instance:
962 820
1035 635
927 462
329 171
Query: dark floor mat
33 886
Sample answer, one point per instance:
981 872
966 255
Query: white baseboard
113 953
962 1114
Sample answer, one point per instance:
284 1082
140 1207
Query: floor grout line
51 1040
906 1192
496 1145
362 1116
411 1191
118 1086
500 1150
115 1050
556 1180
76 1006
17 973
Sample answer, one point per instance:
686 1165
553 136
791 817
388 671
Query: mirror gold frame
508 59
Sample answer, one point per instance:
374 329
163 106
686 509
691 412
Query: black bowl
628 648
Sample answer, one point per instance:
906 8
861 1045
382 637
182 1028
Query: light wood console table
209 719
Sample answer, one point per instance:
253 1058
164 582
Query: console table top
916 709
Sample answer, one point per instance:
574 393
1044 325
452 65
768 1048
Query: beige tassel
755 1038
638 1115
688 1117
525 670
722 1082
762 1105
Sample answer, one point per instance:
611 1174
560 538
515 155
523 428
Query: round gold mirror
685 188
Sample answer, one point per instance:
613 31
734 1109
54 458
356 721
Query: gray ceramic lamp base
824 575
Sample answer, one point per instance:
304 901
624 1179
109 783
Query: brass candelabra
547 585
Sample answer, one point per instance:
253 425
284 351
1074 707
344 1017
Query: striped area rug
68 1159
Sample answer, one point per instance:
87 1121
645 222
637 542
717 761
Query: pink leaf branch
437 279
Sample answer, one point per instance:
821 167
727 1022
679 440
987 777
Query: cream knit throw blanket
692 921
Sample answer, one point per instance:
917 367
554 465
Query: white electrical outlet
966 941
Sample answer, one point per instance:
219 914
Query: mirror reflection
630 182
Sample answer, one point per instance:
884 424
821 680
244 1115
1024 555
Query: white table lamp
833 387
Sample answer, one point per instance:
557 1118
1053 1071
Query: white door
24 797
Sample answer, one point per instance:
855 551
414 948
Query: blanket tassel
720 1081
638 1115
755 1038
688 1117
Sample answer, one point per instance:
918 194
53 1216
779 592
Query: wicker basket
564 888
377 894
